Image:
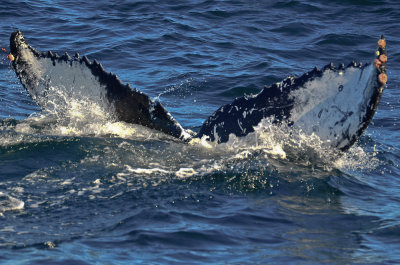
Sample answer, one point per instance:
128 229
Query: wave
9 203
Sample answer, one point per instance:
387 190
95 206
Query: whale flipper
336 104
41 72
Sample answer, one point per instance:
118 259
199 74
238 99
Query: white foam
356 158
9 203
185 172
148 171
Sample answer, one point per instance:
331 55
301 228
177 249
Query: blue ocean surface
92 191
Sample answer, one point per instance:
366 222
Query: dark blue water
97 193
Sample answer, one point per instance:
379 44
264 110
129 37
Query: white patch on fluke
332 106
53 90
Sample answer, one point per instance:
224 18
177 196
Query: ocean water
79 188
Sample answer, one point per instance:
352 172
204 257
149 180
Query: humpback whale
334 103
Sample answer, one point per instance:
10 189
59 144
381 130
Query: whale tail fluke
334 103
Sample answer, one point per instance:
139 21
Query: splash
9 203
281 142
269 142
183 87
356 158
71 112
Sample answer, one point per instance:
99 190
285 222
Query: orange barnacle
382 43
377 63
11 57
383 58
382 78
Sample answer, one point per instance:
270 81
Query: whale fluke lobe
336 104
38 73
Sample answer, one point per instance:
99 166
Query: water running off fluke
335 104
